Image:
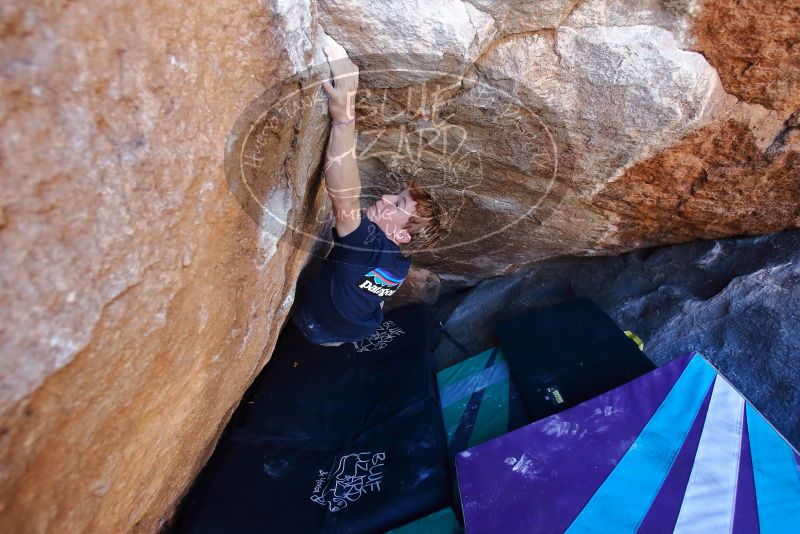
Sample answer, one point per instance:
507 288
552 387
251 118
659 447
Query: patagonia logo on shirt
380 282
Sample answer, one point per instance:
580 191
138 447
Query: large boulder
139 298
586 128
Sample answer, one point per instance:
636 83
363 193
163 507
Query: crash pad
479 400
331 439
678 449
565 354
442 522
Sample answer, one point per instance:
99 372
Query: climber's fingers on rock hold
343 71
333 53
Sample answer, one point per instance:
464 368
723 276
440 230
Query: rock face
745 153
394 34
734 300
589 127
755 46
139 299
161 190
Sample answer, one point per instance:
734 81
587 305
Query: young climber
344 300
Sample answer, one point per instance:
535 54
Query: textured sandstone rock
558 115
673 15
755 46
538 139
394 35
750 157
517 16
139 299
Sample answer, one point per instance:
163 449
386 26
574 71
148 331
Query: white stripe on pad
710 498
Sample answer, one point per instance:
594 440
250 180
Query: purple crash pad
677 449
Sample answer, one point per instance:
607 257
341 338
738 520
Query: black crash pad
566 354
330 439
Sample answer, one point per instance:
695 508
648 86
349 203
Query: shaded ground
737 301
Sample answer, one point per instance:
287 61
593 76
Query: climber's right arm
341 169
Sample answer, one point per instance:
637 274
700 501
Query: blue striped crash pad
479 400
675 450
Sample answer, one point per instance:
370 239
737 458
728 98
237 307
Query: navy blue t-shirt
363 268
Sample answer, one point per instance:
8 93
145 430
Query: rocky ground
736 300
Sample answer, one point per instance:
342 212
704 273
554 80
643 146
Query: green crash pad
479 401
442 522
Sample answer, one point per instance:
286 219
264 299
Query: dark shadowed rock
421 285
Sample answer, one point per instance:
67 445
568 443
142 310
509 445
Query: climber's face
391 213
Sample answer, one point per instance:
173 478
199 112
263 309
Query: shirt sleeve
360 246
365 236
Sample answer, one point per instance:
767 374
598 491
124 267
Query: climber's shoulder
347 220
